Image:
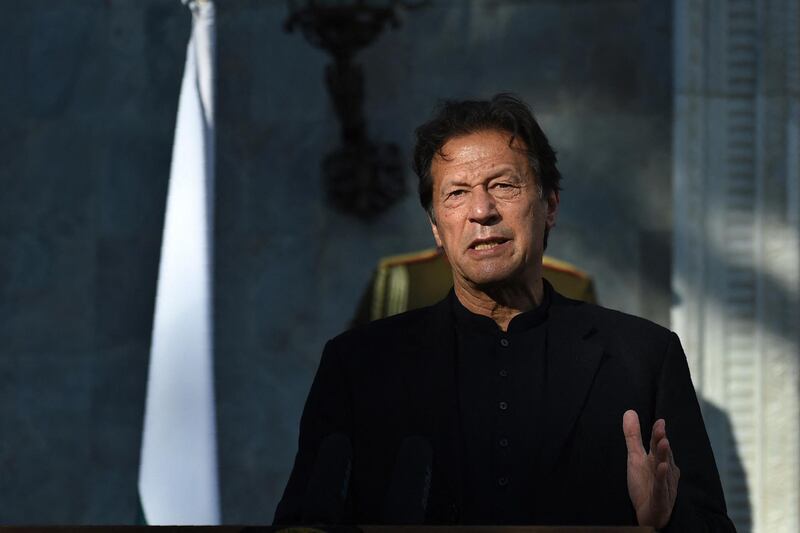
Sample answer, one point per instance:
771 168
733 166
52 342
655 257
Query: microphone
325 497
408 493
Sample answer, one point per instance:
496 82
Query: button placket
501 461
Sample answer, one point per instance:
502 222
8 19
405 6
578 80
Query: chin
491 278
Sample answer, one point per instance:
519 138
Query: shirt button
503 406
504 343
503 442
504 373
502 481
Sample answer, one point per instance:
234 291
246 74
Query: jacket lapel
574 353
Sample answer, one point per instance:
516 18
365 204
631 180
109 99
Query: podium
325 529
474 529
506 529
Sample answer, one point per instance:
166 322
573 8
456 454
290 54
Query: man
536 407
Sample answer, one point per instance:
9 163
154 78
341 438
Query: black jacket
396 377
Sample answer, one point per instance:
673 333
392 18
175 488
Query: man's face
489 216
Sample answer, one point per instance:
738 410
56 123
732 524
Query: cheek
526 223
449 226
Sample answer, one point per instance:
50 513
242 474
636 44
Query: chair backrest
413 280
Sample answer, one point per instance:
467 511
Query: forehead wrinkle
472 151
468 174
478 161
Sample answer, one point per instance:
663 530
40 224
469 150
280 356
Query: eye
504 187
455 193
504 190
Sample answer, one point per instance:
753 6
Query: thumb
633 433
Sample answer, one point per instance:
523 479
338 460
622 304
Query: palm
652 477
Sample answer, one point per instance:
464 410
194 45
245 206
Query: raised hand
652 477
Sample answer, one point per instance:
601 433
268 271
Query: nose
483 209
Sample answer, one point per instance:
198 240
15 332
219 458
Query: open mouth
487 244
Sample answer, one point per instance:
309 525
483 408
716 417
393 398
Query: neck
501 303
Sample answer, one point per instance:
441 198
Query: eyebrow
459 183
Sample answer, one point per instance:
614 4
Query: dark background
87 110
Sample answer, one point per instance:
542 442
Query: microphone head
326 493
407 498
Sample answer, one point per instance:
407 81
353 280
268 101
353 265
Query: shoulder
383 350
392 332
635 351
616 328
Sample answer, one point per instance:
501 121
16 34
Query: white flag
178 481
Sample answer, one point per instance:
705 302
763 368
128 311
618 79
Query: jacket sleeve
700 504
327 410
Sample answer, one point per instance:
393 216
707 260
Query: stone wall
87 111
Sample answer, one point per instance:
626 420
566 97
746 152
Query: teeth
486 245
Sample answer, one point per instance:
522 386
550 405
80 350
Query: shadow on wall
736 497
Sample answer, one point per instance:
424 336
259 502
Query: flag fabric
178 478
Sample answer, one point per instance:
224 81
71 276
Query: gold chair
408 281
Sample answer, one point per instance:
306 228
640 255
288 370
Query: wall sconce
361 177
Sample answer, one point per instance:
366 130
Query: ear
552 199
435 231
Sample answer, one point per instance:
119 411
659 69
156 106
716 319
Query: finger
659 432
663 452
660 487
666 467
633 433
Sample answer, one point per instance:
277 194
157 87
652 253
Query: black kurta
501 378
